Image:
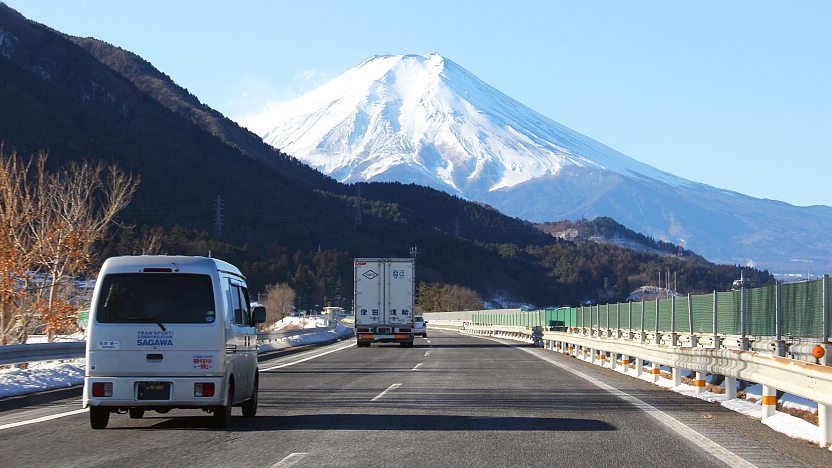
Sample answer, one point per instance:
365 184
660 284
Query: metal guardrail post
618 319
673 336
716 343
730 387
608 319
630 320
744 345
769 402
641 336
694 341
657 338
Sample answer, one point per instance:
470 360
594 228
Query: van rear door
156 324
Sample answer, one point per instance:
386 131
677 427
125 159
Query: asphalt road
451 400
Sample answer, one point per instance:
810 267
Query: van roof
136 263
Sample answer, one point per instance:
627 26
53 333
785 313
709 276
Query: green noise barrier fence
795 310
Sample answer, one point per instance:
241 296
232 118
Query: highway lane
451 400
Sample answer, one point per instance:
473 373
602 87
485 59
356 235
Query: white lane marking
42 419
417 366
392 387
720 452
290 460
427 353
306 358
428 341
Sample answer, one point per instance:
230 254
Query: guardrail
634 351
22 353
15 354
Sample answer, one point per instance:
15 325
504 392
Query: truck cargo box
384 291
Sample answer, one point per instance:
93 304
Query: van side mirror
258 315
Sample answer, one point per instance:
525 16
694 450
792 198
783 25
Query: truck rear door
369 294
399 291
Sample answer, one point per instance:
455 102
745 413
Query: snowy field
42 376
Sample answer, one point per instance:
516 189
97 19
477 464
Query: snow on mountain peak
424 119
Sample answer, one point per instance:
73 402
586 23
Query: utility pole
218 218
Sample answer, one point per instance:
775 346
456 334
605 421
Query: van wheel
99 417
136 413
222 414
250 406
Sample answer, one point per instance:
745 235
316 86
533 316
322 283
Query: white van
171 332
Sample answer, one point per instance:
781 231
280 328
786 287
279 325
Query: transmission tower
218 218
358 207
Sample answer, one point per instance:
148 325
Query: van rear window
151 298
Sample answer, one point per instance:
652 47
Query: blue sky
735 94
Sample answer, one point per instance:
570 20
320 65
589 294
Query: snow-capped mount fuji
424 119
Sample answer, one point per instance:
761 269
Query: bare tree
74 209
16 211
461 298
279 298
50 224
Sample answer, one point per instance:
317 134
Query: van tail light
205 389
102 389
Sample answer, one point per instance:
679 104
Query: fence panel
681 314
665 314
760 311
802 307
703 313
728 313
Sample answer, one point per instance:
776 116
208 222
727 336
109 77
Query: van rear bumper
125 392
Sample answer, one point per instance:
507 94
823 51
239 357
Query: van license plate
154 390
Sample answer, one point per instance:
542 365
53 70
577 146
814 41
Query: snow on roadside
42 376
320 336
80 336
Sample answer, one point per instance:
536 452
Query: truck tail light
404 330
363 330
365 337
401 336
205 389
102 389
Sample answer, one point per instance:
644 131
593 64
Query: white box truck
383 300
171 332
